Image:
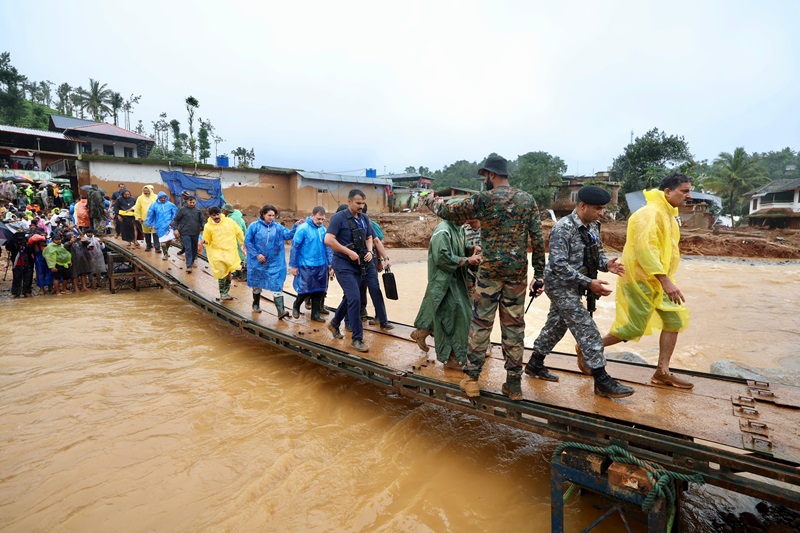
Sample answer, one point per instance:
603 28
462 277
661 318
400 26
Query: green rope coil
662 480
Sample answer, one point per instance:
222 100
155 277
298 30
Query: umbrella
5 233
89 187
18 178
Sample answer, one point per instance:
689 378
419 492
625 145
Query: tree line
27 103
641 165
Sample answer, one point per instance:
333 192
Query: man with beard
509 218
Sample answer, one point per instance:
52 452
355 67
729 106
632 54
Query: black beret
594 195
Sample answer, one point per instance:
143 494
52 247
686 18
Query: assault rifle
591 262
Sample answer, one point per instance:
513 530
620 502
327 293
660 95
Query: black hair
317 210
674 180
266 209
356 192
365 208
341 207
214 210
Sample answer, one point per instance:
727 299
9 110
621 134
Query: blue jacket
159 216
267 240
308 246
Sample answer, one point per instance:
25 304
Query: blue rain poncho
311 258
267 240
160 215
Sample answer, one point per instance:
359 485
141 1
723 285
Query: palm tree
116 102
733 175
96 100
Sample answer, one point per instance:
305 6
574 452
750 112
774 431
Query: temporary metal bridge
740 435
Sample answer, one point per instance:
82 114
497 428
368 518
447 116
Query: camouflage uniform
473 239
564 281
508 218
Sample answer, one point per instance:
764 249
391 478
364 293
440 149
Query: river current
137 412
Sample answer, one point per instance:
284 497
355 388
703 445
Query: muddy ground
413 230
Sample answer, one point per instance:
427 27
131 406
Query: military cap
594 195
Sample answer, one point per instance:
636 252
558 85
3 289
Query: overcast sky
340 86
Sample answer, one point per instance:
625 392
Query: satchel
389 284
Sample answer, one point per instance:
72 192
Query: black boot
536 369
282 313
606 386
298 300
322 310
316 303
512 388
256 302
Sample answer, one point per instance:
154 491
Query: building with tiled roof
102 138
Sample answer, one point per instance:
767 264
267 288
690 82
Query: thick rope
662 480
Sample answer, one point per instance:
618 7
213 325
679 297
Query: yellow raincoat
143 204
222 246
651 248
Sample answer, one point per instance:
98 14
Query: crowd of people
477 268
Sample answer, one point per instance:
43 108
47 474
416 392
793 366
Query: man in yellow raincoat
222 238
143 203
647 296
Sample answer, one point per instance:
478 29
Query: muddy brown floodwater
137 412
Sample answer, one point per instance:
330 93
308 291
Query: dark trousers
190 247
22 280
349 277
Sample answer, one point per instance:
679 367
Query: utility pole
631 136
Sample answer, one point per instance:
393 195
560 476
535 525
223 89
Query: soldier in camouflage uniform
508 218
566 278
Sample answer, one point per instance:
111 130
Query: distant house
406 189
776 204
102 138
27 148
565 198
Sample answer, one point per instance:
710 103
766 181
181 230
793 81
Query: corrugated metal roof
409 176
111 130
64 123
324 176
775 186
37 133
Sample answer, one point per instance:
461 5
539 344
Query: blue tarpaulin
210 188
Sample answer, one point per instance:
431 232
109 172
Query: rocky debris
770 519
628 357
728 367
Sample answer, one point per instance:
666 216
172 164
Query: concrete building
776 204
102 138
247 189
565 198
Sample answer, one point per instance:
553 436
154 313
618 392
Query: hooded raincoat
267 240
57 255
237 217
446 308
311 258
222 245
160 215
651 248
143 203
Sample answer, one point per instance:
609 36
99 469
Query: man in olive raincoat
446 309
647 296
222 238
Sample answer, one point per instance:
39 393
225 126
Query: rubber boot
256 303
282 313
298 300
322 310
316 303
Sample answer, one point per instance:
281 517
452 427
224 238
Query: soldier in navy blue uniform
350 235
576 254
